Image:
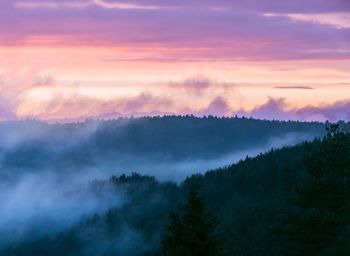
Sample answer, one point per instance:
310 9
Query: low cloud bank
277 109
48 171
46 203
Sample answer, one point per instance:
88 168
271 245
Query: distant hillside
126 215
249 195
146 145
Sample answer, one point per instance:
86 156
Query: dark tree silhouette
251 194
321 222
192 232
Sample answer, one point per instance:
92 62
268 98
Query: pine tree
320 225
191 232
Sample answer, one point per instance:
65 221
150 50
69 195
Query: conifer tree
192 231
320 225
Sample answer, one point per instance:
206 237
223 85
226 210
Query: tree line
290 201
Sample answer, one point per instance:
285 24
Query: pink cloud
82 4
338 111
278 109
209 29
199 84
68 107
217 107
75 106
272 109
197 32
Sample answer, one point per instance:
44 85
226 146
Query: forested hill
138 143
251 197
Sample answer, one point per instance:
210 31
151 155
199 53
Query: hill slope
251 195
168 147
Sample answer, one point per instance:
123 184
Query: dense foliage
34 145
192 231
290 200
320 224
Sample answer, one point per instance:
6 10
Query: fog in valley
51 174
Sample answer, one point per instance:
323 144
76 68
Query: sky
66 60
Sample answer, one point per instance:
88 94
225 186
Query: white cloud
338 20
80 5
119 5
51 4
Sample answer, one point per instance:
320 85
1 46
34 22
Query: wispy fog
48 171
44 203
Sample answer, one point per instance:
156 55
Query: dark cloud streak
294 87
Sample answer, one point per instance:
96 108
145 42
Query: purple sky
137 45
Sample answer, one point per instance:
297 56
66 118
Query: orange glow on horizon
42 75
